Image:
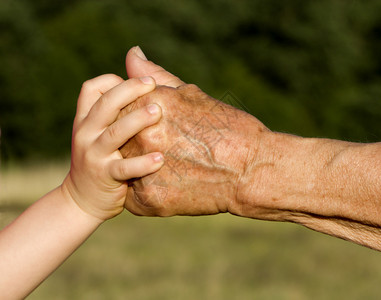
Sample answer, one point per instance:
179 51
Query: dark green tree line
306 67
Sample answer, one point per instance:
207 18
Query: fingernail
140 53
153 109
158 157
147 80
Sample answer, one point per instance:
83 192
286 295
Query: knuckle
91 85
164 92
100 105
114 131
167 97
150 137
189 86
123 170
131 107
88 85
102 101
191 92
113 78
78 138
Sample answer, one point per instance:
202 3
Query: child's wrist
74 206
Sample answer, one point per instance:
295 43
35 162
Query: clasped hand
205 146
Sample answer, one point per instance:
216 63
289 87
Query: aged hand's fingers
106 109
124 169
137 65
136 207
92 90
122 130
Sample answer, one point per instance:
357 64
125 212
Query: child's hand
97 178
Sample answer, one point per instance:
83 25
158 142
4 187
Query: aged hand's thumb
137 65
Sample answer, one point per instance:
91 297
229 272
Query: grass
21 185
213 257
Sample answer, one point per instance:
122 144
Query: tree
306 67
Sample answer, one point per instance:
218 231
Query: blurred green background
311 68
307 67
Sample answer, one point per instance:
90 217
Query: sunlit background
311 68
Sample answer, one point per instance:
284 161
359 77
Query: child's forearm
39 240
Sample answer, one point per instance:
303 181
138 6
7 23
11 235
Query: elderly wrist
273 168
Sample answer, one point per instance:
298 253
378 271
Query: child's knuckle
78 140
88 85
114 132
123 170
114 78
103 101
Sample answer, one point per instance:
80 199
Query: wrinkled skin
205 144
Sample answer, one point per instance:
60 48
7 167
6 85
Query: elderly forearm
327 185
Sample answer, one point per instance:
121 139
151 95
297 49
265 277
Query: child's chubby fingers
92 90
135 167
118 133
106 109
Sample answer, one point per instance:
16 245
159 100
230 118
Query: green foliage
307 67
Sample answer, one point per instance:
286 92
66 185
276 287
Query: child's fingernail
140 53
153 109
147 80
158 157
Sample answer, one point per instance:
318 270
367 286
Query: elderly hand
221 159
205 143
